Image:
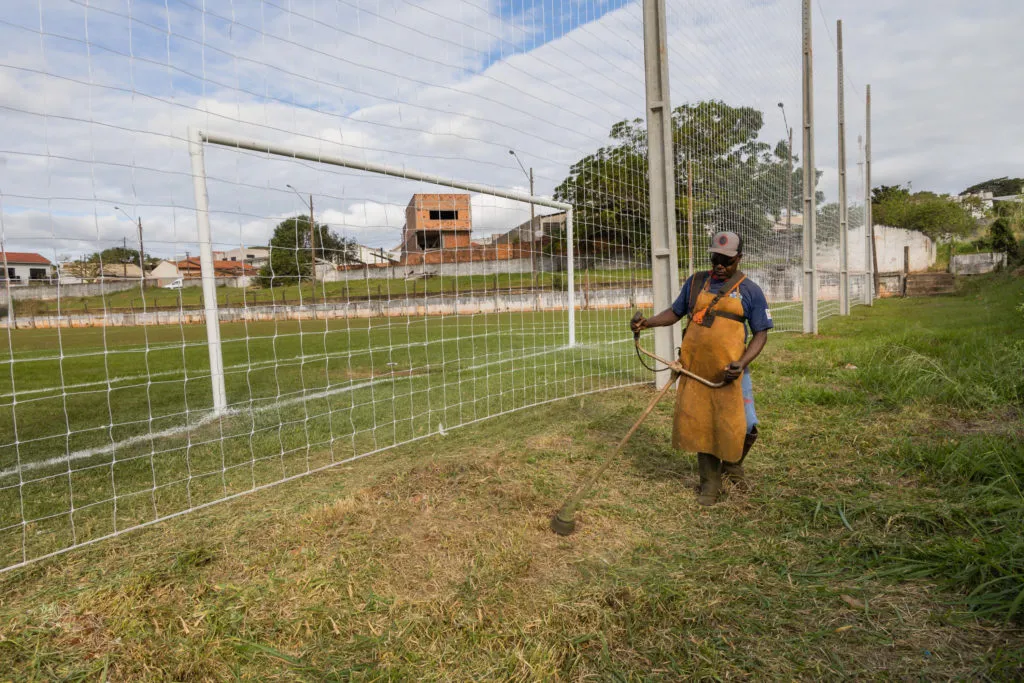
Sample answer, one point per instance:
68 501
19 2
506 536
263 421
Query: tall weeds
973 370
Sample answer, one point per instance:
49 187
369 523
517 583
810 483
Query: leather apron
711 420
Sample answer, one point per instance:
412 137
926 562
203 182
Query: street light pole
533 234
789 176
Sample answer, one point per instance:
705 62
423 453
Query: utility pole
142 257
844 273
312 247
810 284
664 257
312 244
533 237
124 243
124 258
533 234
870 258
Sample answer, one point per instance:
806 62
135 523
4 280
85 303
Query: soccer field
106 429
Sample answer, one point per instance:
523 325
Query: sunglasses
723 260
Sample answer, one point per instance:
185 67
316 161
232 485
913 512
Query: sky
97 97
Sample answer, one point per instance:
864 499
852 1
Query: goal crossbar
197 138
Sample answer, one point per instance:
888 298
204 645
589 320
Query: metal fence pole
810 177
195 148
570 254
871 286
844 218
664 257
690 258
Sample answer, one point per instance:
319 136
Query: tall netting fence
828 243
826 151
735 76
411 217
857 244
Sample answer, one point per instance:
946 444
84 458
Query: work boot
733 471
710 469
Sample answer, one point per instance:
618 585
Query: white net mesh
732 137
403 307
828 257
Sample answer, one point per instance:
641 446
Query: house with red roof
22 267
230 273
190 267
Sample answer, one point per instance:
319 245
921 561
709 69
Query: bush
1001 237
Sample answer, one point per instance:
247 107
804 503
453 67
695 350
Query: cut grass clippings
881 540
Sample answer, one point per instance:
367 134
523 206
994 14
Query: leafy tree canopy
889 192
118 255
934 215
1001 237
291 257
739 181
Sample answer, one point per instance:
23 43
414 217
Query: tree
117 255
1001 237
936 216
114 256
290 253
884 193
739 182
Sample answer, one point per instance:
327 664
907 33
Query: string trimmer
564 521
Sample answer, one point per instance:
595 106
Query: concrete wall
976 264
431 270
435 305
545 264
889 243
51 292
781 284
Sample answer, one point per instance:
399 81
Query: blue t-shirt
755 306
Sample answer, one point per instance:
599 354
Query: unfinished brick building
436 224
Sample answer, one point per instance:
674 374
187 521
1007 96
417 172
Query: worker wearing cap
718 424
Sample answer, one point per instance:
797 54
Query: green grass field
109 428
881 540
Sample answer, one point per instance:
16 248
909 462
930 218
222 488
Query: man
719 424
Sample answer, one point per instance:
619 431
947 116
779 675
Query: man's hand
638 323
733 371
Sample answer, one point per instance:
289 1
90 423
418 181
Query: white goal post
197 138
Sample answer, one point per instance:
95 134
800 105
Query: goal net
177 335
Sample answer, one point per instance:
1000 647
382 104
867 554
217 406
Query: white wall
976 264
243 254
23 271
889 243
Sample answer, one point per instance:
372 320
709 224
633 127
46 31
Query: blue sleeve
755 308
681 306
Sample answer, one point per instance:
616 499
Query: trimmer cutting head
561 526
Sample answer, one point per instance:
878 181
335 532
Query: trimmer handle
637 317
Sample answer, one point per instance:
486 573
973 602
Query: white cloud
447 87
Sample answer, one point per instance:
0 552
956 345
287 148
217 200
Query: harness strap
699 279
729 285
730 316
